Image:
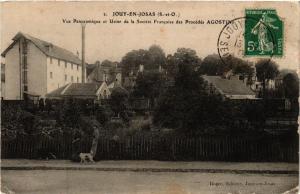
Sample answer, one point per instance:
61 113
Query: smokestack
83 52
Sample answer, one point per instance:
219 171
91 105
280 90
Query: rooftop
55 51
76 89
231 86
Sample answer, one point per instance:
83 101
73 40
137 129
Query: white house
36 67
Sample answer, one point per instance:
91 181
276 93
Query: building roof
87 90
229 87
57 92
82 89
54 51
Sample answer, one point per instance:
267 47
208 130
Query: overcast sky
113 41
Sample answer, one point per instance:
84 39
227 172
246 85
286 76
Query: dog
86 157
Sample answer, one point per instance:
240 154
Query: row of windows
66 64
66 77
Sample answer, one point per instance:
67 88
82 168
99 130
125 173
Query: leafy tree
188 107
132 60
107 63
119 100
212 65
183 56
148 85
157 57
151 59
291 85
266 70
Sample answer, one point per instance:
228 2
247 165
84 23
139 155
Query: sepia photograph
157 97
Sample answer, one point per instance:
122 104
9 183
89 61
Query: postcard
158 97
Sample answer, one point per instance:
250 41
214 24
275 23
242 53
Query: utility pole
83 52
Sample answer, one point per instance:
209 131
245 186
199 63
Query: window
104 94
66 64
25 47
58 62
25 61
72 79
66 77
71 65
77 79
51 75
50 60
25 80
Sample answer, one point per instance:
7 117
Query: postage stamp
263 33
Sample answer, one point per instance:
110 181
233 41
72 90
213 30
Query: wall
12 74
59 69
103 92
36 75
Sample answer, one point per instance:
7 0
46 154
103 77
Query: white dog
86 157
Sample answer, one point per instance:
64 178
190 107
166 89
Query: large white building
36 67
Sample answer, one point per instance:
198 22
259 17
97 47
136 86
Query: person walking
95 140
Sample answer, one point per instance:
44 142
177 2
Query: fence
141 147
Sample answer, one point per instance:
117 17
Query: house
94 91
230 88
108 72
129 80
34 66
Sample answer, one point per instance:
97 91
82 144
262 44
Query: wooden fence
140 147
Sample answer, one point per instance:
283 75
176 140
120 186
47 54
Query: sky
44 20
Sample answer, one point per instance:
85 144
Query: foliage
266 70
103 114
183 56
212 65
291 86
71 113
151 59
188 107
148 85
119 100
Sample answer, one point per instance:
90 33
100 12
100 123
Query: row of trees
187 105
150 82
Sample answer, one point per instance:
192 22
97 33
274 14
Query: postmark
231 41
249 36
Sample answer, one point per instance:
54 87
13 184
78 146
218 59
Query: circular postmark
231 40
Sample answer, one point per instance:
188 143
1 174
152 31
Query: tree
148 85
132 60
212 65
182 57
291 85
151 59
119 100
188 107
157 57
266 70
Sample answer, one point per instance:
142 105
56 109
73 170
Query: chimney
159 69
49 47
141 69
98 68
83 52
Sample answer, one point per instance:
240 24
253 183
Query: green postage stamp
263 33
